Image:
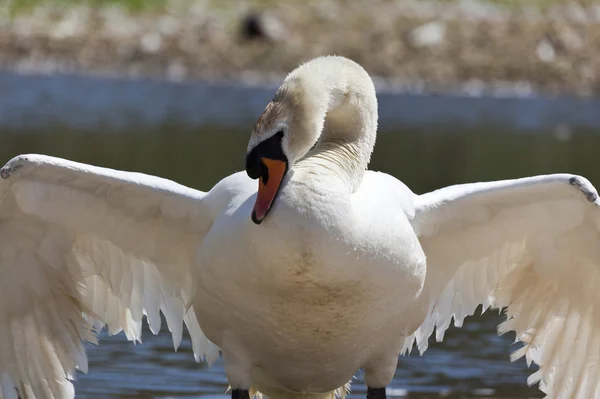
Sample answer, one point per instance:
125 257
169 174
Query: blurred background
468 91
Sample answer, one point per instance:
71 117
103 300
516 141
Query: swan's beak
268 163
268 187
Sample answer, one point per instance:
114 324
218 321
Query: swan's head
284 133
271 153
292 122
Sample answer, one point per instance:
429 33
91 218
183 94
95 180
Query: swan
323 269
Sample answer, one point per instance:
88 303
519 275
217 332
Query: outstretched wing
531 245
82 247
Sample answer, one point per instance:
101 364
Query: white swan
347 269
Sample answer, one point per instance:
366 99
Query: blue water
471 362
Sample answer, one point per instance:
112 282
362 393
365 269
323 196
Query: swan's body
313 301
326 269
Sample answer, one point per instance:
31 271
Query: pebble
168 25
151 42
72 24
428 35
118 25
176 71
570 38
545 51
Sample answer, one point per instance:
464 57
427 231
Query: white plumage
530 245
81 244
348 269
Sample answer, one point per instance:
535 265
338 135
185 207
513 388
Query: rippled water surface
471 362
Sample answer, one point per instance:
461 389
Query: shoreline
466 46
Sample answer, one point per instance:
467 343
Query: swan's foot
240 394
375 393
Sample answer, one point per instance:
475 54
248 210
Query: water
471 362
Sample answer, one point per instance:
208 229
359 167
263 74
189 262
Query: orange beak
268 187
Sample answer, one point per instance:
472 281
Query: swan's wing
83 247
531 245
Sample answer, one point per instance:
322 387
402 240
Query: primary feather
530 245
82 247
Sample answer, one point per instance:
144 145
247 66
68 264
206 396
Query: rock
545 51
428 35
570 38
168 25
474 87
5 11
36 23
587 72
118 25
151 42
176 71
477 10
72 24
575 12
594 12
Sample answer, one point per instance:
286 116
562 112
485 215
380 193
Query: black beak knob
254 166
270 148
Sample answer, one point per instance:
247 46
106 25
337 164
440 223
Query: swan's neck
338 158
339 107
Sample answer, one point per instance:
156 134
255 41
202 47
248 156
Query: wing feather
530 246
84 247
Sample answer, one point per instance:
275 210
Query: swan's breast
304 288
